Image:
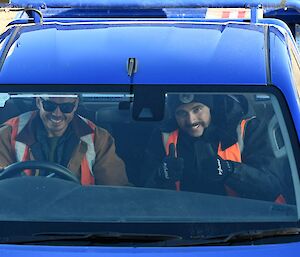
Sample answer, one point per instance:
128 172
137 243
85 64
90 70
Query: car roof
168 53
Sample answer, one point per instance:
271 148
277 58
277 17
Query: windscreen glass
213 157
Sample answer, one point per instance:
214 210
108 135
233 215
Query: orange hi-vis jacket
232 153
22 150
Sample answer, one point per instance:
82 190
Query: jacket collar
27 134
211 135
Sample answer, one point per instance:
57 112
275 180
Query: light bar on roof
231 13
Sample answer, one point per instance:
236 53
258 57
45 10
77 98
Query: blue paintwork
284 81
278 250
155 3
58 50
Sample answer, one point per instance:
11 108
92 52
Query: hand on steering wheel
15 168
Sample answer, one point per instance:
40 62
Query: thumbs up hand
172 167
217 169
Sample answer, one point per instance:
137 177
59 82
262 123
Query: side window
295 65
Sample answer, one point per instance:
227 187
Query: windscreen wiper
241 236
115 238
103 238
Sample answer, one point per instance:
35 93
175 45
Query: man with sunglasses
55 133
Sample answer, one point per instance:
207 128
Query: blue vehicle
135 73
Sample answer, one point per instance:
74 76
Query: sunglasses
49 106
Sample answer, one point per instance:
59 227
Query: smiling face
56 113
193 118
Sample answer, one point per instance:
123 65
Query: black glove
217 169
172 167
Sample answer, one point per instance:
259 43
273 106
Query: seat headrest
113 115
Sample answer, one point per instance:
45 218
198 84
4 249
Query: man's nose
192 118
57 111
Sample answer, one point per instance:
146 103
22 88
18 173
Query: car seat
131 137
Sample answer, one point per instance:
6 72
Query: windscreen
82 156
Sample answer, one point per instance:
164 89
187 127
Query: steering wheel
15 168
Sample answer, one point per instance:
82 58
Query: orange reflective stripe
172 139
231 153
28 172
14 125
86 176
21 150
17 124
243 124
